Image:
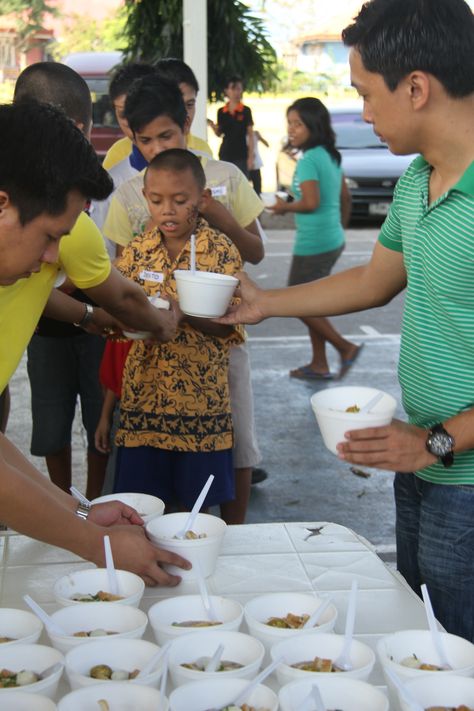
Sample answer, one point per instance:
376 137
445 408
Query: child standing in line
255 175
175 422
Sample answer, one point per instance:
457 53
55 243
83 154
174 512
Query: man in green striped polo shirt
412 61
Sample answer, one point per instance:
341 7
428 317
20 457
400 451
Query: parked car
371 170
95 68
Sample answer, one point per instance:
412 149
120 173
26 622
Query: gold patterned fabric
175 395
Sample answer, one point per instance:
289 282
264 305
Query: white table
256 559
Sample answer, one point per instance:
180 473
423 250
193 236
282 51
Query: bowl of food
336 693
101 661
20 701
241 657
200 546
412 654
87 621
143 335
275 617
148 506
435 694
338 410
219 694
18 627
204 294
32 668
184 614
92 585
315 655
112 696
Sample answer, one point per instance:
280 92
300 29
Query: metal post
195 54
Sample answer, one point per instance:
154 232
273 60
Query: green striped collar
464 185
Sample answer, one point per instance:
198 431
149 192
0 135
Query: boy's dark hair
43 156
234 79
317 120
124 75
179 160
396 37
151 97
58 84
178 71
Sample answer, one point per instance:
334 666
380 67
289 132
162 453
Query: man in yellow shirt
47 172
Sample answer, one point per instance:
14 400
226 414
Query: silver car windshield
356 134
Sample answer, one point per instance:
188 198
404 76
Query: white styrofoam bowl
261 608
216 693
91 580
201 551
31 657
148 506
190 607
437 691
238 647
329 407
326 645
126 621
19 701
204 294
21 626
126 654
120 695
346 693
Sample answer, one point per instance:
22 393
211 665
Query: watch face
440 444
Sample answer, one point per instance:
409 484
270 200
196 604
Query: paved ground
306 482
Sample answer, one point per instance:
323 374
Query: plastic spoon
196 508
193 254
203 591
109 564
164 679
240 699
80 497
51 670
403 691
343 661
215 660
48 621
314 701
153 662
372 402
313 619
435 633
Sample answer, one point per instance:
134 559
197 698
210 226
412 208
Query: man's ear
419 86
5 201
204 200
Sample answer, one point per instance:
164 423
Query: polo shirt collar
238 109
464 185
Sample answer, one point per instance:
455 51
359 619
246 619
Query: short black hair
396 37
151 97
234 79
58 84
315 116
178 71
124 75
179 160
43 156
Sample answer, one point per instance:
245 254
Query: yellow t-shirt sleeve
117 225
194 143
117 152
246 205
83 255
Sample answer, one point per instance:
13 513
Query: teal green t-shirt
436 368
321 230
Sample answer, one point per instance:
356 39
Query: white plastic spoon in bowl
435 633
372 402
48 621
314 701
403 691
153 662
313 619
196 508
109 564
213 663
204 593
344 661
240 699
164 679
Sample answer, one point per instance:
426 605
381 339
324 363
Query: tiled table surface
255 559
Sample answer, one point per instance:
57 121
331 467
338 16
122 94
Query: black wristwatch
440 443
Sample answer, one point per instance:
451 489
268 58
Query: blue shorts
175 477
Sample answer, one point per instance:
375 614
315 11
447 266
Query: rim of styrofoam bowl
200 277
131 586
154 505
21 625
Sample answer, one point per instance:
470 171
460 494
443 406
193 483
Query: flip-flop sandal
346 365
307 373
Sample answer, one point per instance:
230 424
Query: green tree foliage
82 34
30 17
237 40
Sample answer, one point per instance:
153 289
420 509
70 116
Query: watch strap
446 458
83 511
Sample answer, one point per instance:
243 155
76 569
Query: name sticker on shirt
219 191
151 276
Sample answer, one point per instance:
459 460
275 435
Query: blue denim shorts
175 477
